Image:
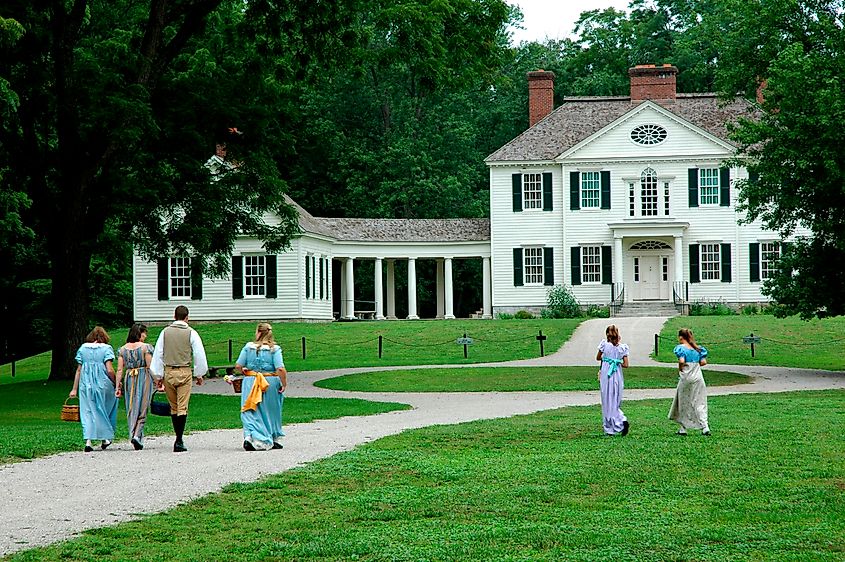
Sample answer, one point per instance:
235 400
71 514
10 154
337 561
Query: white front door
650 277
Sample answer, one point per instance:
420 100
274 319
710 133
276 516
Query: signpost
752 339
464 341
541 338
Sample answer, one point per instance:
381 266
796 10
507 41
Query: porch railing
680 296
617 298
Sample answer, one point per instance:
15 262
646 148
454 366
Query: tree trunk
70 268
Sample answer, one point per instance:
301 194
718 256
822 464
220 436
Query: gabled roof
393 230
579 117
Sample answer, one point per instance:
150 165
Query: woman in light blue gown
94 383
613 355
262 391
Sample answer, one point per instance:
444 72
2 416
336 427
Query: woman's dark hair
97 335
686 335
135 332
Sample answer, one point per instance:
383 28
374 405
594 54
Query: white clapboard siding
313 307
217 302
509 230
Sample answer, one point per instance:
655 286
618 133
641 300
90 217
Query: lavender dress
612 384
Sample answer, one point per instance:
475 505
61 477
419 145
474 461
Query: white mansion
615 197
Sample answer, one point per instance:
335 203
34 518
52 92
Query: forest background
356 108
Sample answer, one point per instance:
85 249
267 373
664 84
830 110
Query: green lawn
355 344
29 416
769 485
787 342
483 379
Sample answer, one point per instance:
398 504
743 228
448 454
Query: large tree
115 107
794 152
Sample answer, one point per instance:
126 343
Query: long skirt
689 408
137 395
263 426
97 406
611 401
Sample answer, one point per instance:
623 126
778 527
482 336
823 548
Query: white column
486 308
440 305
617 261
450 291
349 298
378 291
679 258
391 290
342 290
412 289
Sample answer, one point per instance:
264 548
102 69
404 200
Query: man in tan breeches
179 346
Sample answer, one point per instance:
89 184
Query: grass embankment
769 485
504 379
355 344
29 416
787 342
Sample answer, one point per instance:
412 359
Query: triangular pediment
614 141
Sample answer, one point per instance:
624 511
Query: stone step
642 309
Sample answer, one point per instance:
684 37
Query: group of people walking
178 358
689 407
172 365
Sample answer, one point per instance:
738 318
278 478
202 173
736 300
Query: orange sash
256 393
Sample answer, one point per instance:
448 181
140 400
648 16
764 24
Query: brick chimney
541 95
650 82
220 150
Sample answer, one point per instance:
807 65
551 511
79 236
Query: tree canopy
110 110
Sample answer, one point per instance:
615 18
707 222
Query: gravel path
53 498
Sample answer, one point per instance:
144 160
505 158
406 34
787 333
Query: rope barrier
417 344
763 338
504 341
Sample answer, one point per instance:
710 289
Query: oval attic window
648 134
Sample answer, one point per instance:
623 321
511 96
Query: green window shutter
605 189
694 276
517 267
547 191
196 279
606 266
307 277
237 277
517 192
272 289
574 191
575 264
725 187
321 278
726 263
548 266
163 265
754 261
693 187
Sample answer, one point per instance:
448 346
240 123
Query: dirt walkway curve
53 498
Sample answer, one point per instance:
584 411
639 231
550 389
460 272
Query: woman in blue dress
94 383
134 359
262 391
689 408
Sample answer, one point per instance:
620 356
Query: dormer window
648 135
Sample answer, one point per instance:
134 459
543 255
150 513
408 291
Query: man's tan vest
177 346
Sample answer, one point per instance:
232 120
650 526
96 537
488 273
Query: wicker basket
236 385
70 412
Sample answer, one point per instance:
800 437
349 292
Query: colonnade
385 300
